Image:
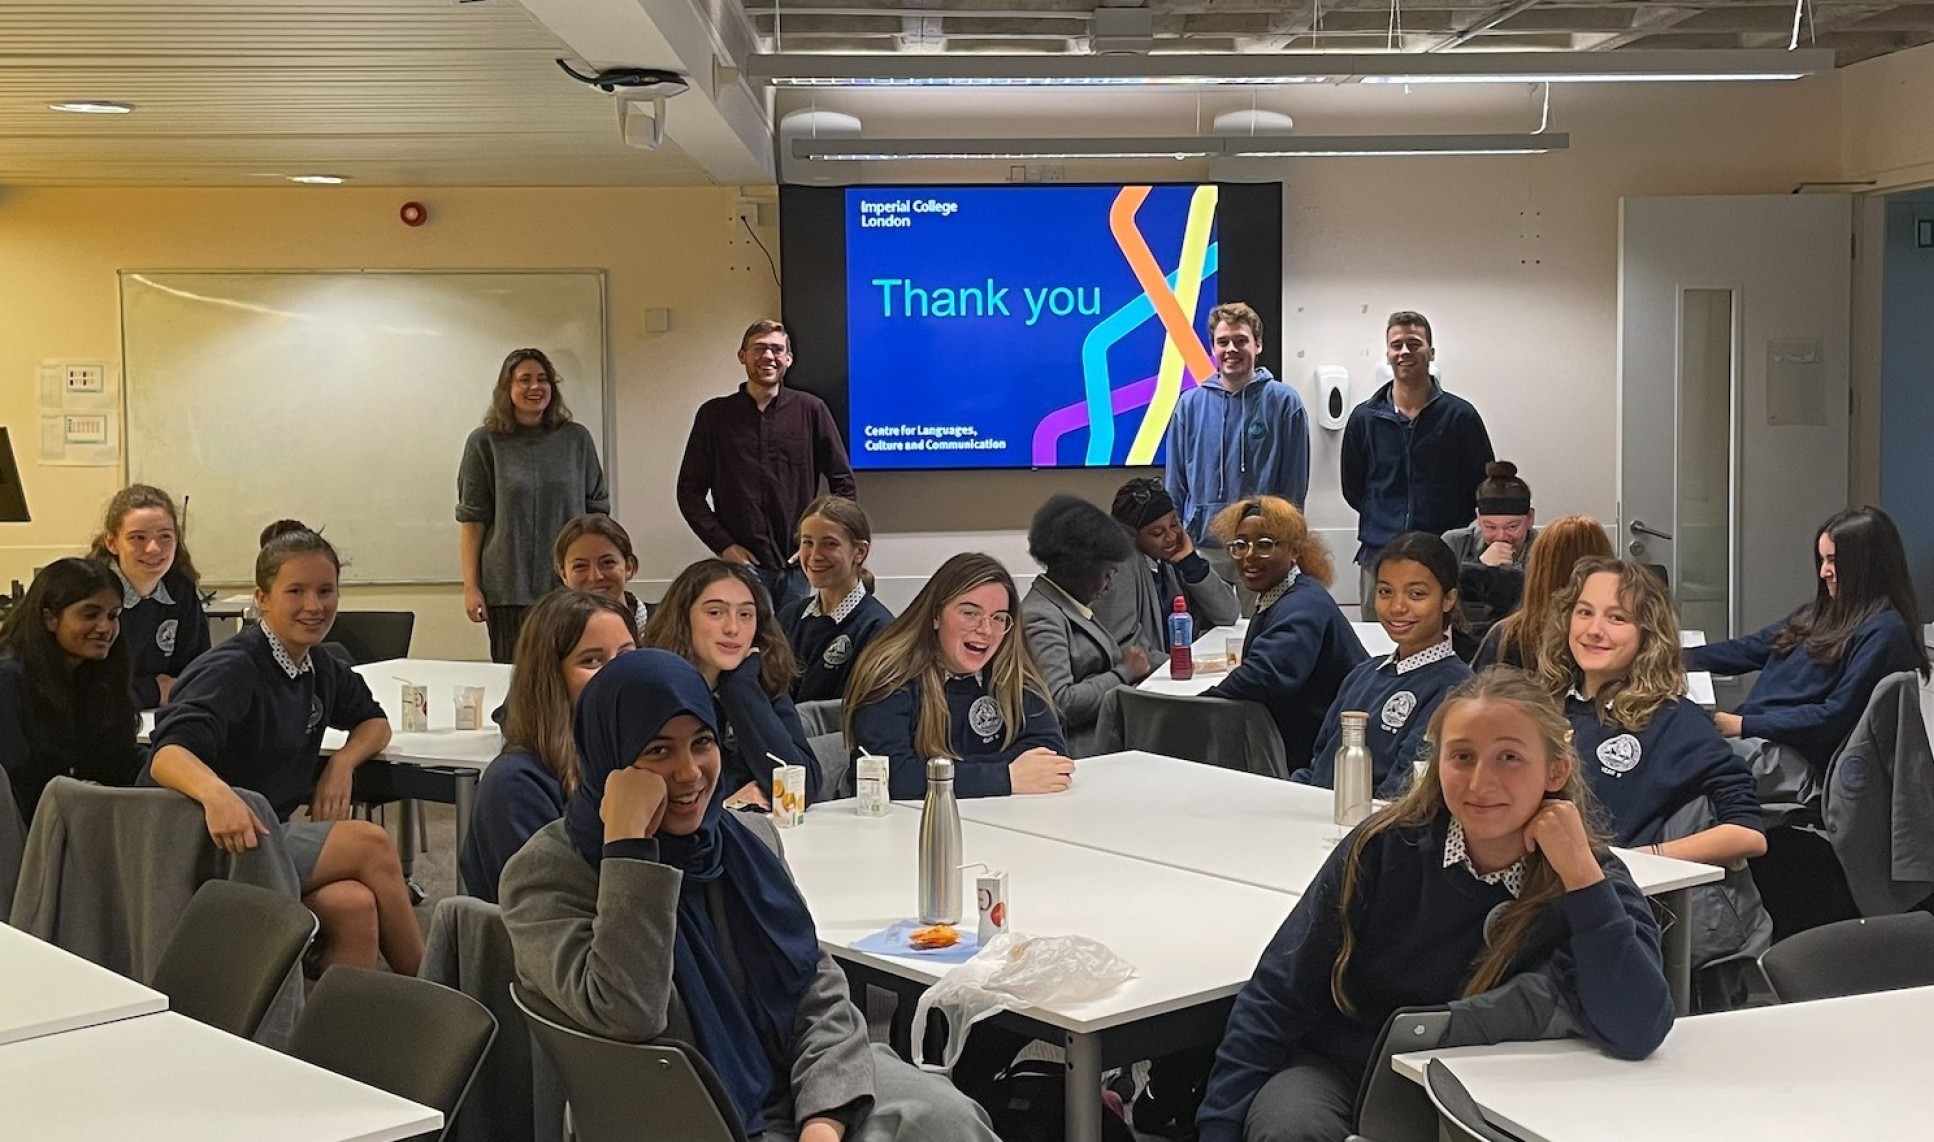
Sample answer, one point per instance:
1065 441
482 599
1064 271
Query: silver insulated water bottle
1353 769
940 847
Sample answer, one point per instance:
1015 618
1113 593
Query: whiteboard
341 399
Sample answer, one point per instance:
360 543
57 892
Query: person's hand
473 605
1135 660
734 553
634 804
165 683
330 801
750 794
1557 831
1184 547
1728 725
821 1130
232 825
1497 555
1040 770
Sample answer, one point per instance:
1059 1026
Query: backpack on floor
1027 1103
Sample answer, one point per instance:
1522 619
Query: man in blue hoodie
1411 453
1237 434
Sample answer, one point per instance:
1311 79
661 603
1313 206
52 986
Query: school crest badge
315 712
1619 755
164 635
838 651
1396 712
984 717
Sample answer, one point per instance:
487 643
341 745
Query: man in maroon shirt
759 454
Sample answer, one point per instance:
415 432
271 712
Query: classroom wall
1887 134
1515 259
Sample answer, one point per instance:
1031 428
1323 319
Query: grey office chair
821 717
374 636
413 1038
1461 1119
230 952
1214 731
1391 1108
835 766
1853 957
621 1092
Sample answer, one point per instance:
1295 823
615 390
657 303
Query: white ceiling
245 92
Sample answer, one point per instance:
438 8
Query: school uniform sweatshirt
517 795
1644 778
754 727
1400 698
1419 930
238 711
827 649
164 632
1811 706
1224 446
1295 656
975 728
1412 475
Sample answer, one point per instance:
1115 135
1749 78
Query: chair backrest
835 766
13 844
621 1092
230 952
374 636
1391 1108
822 716
1457 1112
1853 957
1214 731
413 1038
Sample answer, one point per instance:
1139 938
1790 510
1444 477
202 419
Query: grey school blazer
1135 610
1079 658
595 947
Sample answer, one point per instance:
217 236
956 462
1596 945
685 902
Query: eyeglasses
1000 622
766 350
1240 548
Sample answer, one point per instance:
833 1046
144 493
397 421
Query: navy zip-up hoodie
1295 656
1809 705
1412 475
1419 929
886 727
1644 778
1400 707
1224 446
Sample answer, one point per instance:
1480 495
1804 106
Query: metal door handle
1638 527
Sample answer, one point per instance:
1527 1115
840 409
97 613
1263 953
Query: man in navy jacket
1411 453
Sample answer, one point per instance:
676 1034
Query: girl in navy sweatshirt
64 704
162 621
1819 665
251 713
1488 889
717 616
566 638
952 677
1299 647
1417 606
830 627
593 553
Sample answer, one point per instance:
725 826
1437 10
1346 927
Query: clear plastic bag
1015 970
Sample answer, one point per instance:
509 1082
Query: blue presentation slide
1024 326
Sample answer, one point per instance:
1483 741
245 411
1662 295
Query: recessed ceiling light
319 179
92 107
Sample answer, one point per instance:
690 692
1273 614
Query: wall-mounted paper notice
80 412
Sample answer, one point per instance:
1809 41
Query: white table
167 1078
1193 939
441 763
1853 1068
1256 830
45 990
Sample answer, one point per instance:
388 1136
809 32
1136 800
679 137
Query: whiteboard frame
607 450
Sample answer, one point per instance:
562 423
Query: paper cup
470 711
416 708
788 795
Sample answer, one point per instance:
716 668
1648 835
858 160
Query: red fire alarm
414 214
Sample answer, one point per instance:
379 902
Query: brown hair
1546 571
1502 482
760 328
850 518
1423 804
134 498
908 649
670 627
1657 675
1236 313
598 524
1412 318
1283 523
537 712
501 419
282 541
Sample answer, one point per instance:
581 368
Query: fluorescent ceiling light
92 107
1182 147
1203 69
319 179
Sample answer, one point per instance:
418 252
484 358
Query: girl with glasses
951 677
